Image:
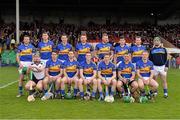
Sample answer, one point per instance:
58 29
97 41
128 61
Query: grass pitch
19 108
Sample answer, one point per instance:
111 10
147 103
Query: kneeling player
54 72
126 73
106 75
37 74
70 75
145 74
88 75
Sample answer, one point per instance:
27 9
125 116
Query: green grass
12 107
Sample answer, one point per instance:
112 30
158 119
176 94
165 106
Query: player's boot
165 95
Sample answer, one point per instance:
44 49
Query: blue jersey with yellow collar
88 68
25 52
82 49
63 51
120 52
45 49
71 67
137 52
144 68
54 67
103 48
126 69
106 70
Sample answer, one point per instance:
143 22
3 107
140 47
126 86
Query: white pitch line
4 86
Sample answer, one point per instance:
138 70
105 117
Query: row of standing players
106 69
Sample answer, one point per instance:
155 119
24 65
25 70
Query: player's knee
99 81
95 82
80 81
27 86
39 87
135 85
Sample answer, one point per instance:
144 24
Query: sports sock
93 94
62 92
20 89
81 94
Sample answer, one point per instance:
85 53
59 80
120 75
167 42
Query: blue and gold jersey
25 52
106 70
137 53
71 68
144 68
88 68
103 49
126 69
82 50
120 52
45 49
54 67
63 51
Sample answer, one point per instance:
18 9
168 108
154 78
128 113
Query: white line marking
4 86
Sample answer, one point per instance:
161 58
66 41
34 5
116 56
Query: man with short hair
82 48
158 55
54 72
71 71
104 48
145 74
45 47
126 73
137 50
24 59
63 48
106 76
88 72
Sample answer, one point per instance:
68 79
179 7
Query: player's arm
77 72
119 75
111 53
81 74
139 75
17 58
114 75
65 73
100 76
133 76
151 75
94 74
47 72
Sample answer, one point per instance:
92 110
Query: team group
106 70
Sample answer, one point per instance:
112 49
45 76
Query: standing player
104 48
45 47
106 76
158 55
54 73
126 73
24 59
70 74
120 51
145 74
37 72
63 48
137 50
88 72
82 48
